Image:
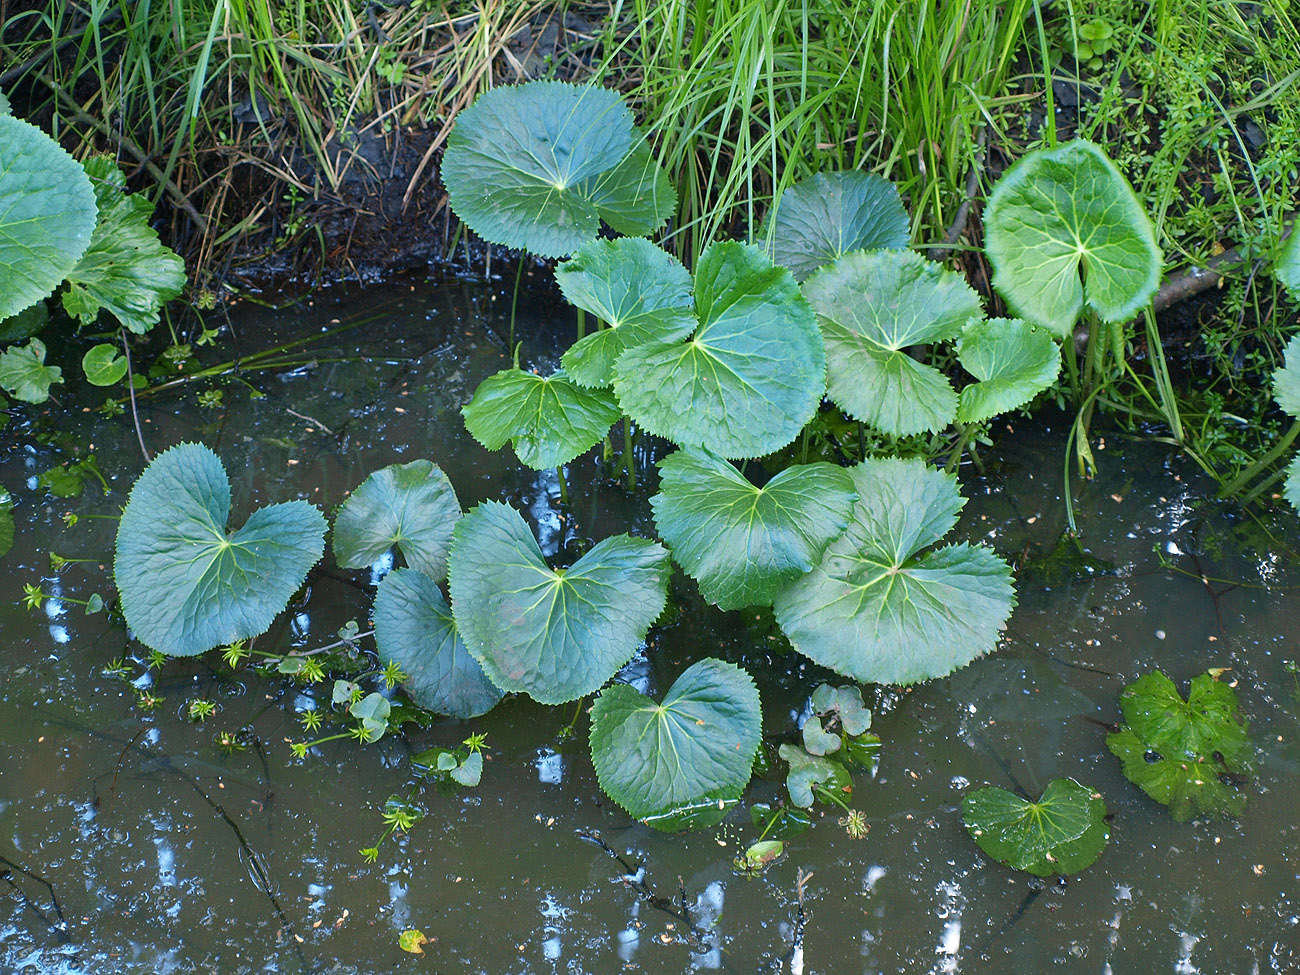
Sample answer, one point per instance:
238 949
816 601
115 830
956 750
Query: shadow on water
133 840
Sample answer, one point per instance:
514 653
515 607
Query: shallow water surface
133 842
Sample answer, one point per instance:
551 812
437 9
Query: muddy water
133 842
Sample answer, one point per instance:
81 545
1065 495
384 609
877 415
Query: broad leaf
743 543
1013 361
468 773
549 420
751 376
825 217
641 292
414 628
807 771
103 366
24 374
1287 268
877 608
127 271
47 214
697 746
1063 228
873 306
557 634
538 165
186 584
817 740
372 711
1062 833
411 506
1286 380
1188 787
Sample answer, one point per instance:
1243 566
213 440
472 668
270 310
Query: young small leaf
807 771
103 366
1287 268
1013 361
469 772
24 374
1062 833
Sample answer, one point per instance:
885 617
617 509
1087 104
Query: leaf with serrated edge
412 506
873 306
186 584
1287 268
830 214
554 634
700 742
1291 489
1286 380
636 197
641 292
876 608
1062 833
1013 361
1187 788
549 420
740 542
1063 228
751 376
415 629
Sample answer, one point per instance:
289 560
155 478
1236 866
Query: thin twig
309 419
130 388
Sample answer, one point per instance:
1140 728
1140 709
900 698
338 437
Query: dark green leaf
24 374
103 366
862 751
1062 833
743 543
1013 361
807 771
6 522
696 747
555 634
26 323
411 506
790 820
1188 787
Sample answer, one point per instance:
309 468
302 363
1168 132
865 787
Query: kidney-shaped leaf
877 608
412 506
24 374
825 217
1062 833
743 543
641 292
1208 722
47 214
1287 268
414 628
696 748
103 366
1187 787
537 165
556 634
751 376
1013 361
1064 228
187 585
550 420
873 306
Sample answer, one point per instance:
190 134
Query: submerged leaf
186 584
846 704
743 543
825 217
24 374
1063 229
557 634
877 608
873 306
1013 361
697 747
26 323
414 627
1062 833
411 506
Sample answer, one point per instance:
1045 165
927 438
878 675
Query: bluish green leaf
751 376
877 608
1063 229
698 745
641 292
103 366
372 711
817 740
411 506
47 214
873 306
1291 489
188 585
557 634
24 374
825 217
743 543
845 703
636 197
469 772
1286 380
1013 361
1062 833
1287 268
549 420
807 771
414 628
4 104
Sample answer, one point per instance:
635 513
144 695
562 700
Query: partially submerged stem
130 389
564 484
629 457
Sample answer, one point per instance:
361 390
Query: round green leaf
1286 380
24 374
549 420
825 217
412 506
877 608
47 214
414 628
557 634
1062 833
1064 228
743 543
1287 268
103 366
537 165
1013 361
698 745
641 292
186 584
751 376
873 306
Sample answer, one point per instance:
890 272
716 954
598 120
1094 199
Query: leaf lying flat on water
1062 833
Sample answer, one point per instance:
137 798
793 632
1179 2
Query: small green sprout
148 700
69 519
210 399
370 853
117 667
33 596
235 654
200 709
393 675
111 408
230 742
156 660
310 719
855 824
